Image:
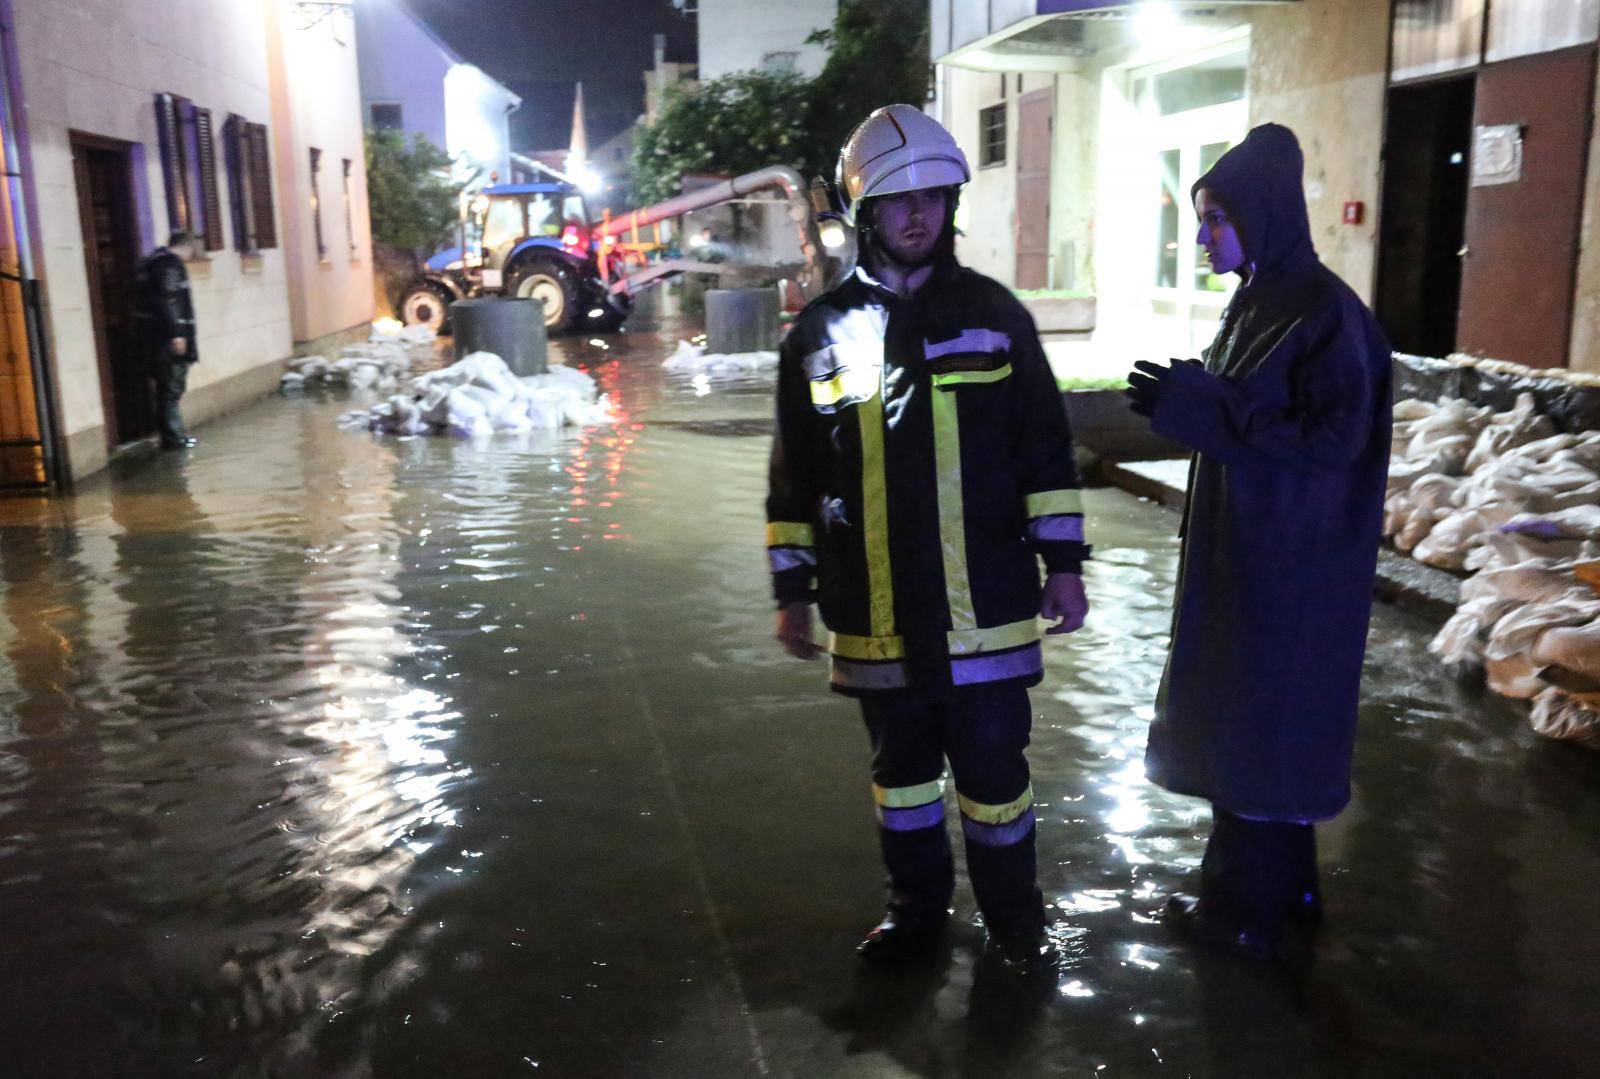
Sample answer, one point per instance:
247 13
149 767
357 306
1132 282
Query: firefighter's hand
794 631
1064 601
179 346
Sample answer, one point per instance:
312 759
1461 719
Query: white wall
95 66
316 102
477 114
736 34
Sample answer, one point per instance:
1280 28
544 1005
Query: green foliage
727 126
878 56
1091 383
413 207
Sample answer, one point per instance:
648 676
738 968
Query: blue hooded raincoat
1290 421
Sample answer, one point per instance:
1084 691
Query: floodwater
328 754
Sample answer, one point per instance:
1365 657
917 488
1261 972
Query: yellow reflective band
957 378
907 797
966 642
1002 814
1045 503
790 534
952 516
875 516
842 644
857 382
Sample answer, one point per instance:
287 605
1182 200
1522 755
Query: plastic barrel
511 329
741 320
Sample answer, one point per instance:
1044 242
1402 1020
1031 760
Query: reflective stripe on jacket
922 464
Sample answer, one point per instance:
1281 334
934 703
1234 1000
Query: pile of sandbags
1505 497
379 363
479 395
693 359
1458 473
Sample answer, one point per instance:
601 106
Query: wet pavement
331 754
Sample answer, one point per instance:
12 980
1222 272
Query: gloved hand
1145 383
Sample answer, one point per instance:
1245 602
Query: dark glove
1145 383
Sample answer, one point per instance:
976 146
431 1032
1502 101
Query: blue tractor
529 241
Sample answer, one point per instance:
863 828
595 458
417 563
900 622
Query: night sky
540 48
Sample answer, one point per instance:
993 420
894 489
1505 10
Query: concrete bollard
741 320
511 329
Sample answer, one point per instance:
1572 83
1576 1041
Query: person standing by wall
1289 417
165 312
921 469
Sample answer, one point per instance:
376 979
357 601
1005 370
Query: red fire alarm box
1354 213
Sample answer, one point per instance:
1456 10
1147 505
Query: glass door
1192 110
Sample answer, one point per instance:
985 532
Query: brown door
110 250
1520 258
1033 188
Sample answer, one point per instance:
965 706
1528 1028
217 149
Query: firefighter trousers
982 730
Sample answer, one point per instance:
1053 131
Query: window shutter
261 188
172 162
236 155
210 196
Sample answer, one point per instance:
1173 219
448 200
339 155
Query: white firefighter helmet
898 148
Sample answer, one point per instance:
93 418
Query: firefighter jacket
921 466
164 309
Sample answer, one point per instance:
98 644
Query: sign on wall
1496 154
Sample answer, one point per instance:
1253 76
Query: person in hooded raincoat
1289 417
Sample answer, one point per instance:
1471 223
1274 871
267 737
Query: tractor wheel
426 304
553 284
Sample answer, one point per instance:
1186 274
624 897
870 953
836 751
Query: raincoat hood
1261 182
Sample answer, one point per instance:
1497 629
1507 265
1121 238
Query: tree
727 126
877 56
413 207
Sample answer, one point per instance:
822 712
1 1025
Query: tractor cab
509 219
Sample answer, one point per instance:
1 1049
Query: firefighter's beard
911 255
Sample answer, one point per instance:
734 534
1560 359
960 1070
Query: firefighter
165 314
1289 416
921 468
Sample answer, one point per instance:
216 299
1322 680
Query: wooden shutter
261 188
172 161
210 196
236 155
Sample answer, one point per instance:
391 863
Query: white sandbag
1500 548
1532 581
1558 714
1507 430
1434 493
1397 510
1412 409
1576 648
1453 536
1459 642
1516 677
1518 630
468 415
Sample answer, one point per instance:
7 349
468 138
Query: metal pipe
781 177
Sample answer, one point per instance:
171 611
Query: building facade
124 122
412 81
762 35
1088 120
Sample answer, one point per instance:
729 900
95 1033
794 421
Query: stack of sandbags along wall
1495 473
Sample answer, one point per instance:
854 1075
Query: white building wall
735 35
316 102
477 113
95 66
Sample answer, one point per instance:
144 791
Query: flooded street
332 754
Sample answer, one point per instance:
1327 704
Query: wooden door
103 169
1519 262
1034 124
